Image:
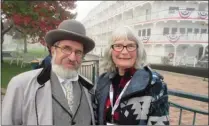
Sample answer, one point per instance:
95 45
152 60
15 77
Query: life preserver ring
170 55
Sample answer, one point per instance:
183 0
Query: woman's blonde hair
125 33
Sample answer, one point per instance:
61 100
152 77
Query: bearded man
56 94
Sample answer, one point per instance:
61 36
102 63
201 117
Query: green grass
38 52
8 71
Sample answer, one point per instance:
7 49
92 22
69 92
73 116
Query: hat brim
54 36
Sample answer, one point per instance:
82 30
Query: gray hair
126 33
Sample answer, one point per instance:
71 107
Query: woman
129 92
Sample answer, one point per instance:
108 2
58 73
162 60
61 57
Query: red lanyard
115 106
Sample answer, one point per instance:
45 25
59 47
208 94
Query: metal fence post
93 74
97 68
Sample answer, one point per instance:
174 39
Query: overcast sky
83 8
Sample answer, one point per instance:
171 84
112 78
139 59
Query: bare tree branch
18 29
7 29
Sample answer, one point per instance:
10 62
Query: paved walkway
190 84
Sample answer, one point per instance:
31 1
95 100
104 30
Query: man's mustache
72 62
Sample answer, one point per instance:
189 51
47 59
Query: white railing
154 59
183 14
120 10
191 38
157 16
185 61
179 60
172 38
165 15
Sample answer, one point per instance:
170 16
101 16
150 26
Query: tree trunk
3 32
2 61
25 44
2 40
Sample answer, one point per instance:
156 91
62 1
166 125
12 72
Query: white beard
61 71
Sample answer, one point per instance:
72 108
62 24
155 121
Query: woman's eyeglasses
120 47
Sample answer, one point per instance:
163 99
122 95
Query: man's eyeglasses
120 47
68 50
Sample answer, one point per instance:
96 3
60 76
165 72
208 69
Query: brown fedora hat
70 30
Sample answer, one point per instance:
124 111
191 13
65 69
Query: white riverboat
173 32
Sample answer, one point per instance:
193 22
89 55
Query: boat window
173 9
173 30
196 31
190 9
148 32
139 33
165 31
144 32
182 30
189 30
203 31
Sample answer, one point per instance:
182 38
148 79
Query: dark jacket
145 102
46 62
